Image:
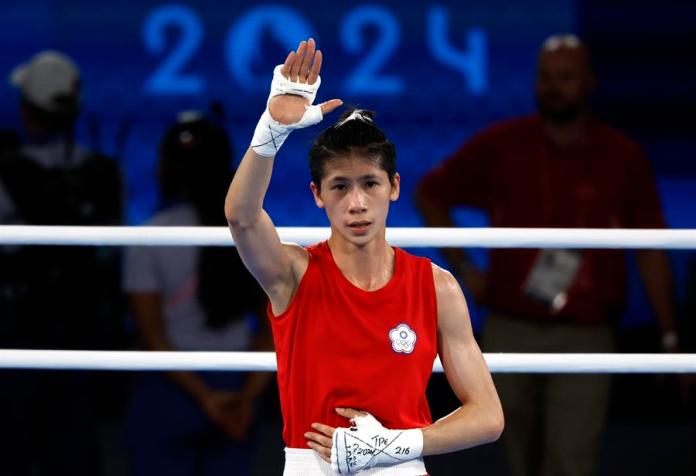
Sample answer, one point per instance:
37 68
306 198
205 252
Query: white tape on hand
270 134
282 85
369 444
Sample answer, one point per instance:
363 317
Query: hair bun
356 114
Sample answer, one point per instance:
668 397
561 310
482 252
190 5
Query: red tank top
340 346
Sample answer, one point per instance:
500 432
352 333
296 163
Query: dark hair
355 132
195 167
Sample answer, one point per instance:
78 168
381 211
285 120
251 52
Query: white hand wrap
270 134
369 444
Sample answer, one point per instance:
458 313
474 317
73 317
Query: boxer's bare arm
276 266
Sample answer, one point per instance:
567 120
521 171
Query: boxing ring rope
265 361
404 237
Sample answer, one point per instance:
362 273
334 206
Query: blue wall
435 72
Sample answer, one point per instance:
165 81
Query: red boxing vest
340 346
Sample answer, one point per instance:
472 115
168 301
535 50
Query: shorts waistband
306 462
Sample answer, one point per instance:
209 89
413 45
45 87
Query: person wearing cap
49 101
49 93
49 84
563 168
55 298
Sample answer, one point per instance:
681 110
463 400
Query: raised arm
277 267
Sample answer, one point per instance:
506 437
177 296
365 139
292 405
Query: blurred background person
562 168
187 298
54 297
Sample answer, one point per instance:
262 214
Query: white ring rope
406 237
265 361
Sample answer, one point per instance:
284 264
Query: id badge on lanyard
551 276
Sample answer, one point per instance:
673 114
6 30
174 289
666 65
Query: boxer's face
356 193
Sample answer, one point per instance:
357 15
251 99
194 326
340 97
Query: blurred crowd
560 167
